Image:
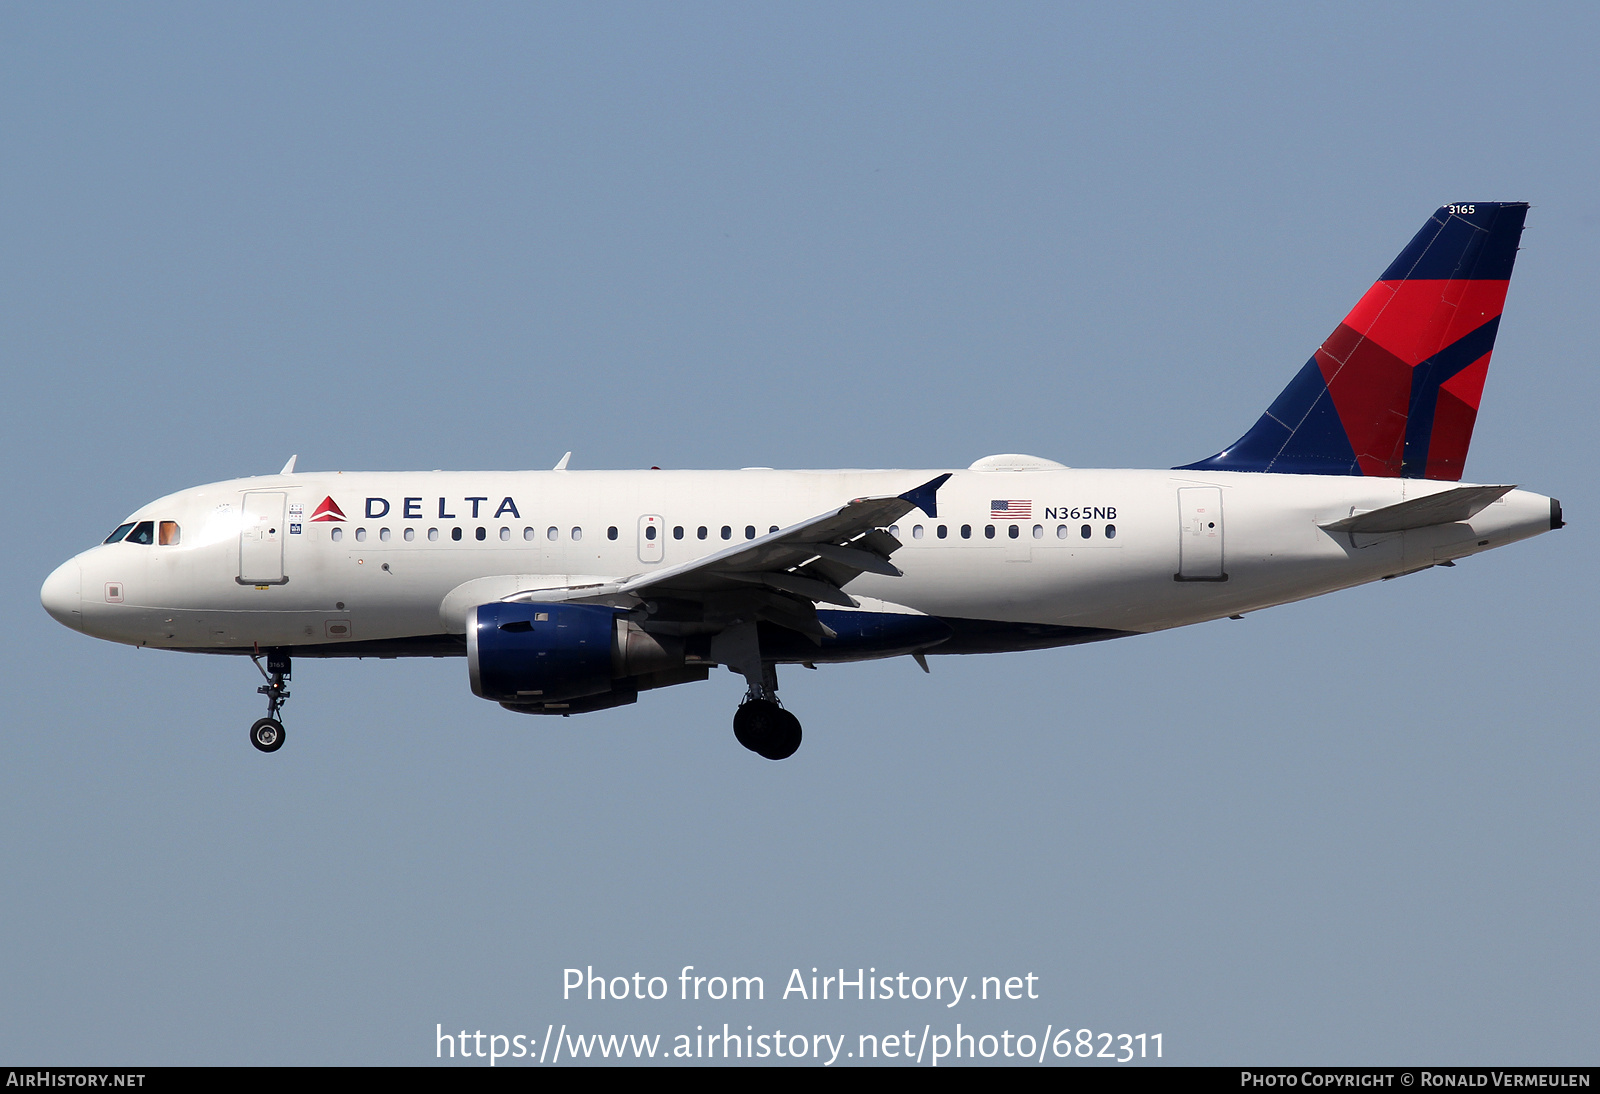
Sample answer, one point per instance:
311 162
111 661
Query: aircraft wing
1445 507
811 559
779 577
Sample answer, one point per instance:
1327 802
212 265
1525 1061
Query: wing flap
809 587
864 560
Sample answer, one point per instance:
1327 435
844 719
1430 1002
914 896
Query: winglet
562 466
288 468
926 496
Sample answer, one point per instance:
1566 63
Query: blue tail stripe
1425 381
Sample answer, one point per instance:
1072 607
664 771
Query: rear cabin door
1200 534
652 533
261 539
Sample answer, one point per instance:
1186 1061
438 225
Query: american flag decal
1011 510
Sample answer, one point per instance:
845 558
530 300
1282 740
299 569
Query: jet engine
568 657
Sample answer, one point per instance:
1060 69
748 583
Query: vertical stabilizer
1394 391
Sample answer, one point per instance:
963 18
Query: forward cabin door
1200 534
261 539
652 536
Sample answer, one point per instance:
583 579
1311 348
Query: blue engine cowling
533 653
537 657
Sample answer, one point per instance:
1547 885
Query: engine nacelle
544 653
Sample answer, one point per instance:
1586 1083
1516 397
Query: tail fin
1394 391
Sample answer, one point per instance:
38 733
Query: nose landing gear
267 733
761 725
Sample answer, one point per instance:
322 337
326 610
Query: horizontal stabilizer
1445 507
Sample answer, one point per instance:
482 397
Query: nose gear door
261 539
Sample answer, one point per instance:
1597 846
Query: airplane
574 591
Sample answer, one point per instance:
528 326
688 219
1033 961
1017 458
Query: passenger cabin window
677 531
942 531
1111 531
749 531
410 534
916 531
144 532
170 533
481 534
552 533
611 532
700 533
650 533
383 534
966 531
577 534
727 532
988 531
121 531
1061 531
433 535
455 534
336 535
1014 531
529 534
505 535
361 535
1087 532
1038 531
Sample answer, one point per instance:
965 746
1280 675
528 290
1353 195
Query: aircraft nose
62 594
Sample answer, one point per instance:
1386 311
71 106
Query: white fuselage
1121 551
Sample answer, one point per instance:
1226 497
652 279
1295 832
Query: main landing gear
761 725
267 733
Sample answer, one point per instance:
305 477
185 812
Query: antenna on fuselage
288 468
562 466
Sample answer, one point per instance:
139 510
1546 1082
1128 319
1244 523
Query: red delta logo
328 510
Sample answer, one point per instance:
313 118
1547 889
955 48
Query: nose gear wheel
267 733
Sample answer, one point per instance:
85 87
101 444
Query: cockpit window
122 530
143 532
171 533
